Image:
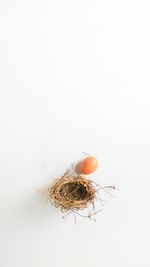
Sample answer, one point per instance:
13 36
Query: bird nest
74 193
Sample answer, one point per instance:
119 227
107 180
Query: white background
74 76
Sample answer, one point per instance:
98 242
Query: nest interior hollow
72 193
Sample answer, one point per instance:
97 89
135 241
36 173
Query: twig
86 153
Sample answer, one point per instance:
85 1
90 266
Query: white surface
74 76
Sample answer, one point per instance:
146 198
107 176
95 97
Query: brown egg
89 165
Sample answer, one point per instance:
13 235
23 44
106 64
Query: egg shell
89 165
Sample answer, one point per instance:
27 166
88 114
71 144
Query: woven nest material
75 194
72 193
